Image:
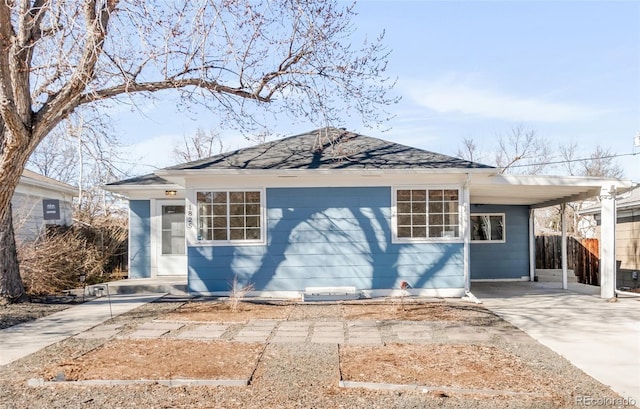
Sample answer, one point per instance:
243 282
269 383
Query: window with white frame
426 214
488 227
228 216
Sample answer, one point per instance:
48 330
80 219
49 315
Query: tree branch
168 84
67 99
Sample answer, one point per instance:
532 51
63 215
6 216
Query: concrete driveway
600 337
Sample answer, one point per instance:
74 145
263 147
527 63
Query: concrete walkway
24 339
600 337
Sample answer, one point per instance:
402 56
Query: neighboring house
358 212
627 236
39 201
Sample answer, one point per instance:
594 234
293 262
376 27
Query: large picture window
488 228
227 216
427 214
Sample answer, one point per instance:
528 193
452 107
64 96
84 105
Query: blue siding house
335 209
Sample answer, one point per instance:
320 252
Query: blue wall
327 237
139 238
503 260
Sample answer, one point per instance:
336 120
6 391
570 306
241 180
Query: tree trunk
11 287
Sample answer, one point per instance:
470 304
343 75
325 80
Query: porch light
170 192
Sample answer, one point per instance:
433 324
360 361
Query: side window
488 227
427 214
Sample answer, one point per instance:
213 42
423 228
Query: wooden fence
582 256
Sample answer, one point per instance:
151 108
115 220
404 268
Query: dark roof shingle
329 148
325 148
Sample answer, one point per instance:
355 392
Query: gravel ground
14 314
287 376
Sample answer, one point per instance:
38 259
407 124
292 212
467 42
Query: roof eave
60 187
173 173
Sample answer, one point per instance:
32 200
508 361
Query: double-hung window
427 214
229 216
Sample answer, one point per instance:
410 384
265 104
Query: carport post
608 242
563 247
532 245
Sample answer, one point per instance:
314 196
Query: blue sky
568 70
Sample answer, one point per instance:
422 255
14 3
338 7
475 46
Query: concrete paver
602 338
146 333
157 325
24 339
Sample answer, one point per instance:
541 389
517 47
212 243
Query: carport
544 191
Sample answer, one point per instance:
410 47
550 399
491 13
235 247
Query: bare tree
522 151
599 163
198 146
469 150
235 57
56 157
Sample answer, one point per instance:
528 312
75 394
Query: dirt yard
461 348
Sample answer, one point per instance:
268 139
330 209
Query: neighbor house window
227 216
487 228
427 214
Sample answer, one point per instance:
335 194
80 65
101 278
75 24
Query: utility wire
575 160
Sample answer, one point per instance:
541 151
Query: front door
172 259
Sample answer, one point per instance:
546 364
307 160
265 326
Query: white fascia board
578 181
174 175
146 191
289 181
55 187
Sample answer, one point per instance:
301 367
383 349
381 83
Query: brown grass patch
217 311
429 311
161 359
456 366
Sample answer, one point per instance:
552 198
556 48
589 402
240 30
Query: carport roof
538 191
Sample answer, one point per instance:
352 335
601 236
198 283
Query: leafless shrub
238 292
56 260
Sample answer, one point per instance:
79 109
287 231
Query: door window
173 230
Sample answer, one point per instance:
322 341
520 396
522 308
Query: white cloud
458 97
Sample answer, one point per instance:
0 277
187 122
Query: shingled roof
325 148
329 148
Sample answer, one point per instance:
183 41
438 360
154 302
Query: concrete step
172 286
555 276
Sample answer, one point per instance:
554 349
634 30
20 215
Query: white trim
263 294
417 292
499 280
413 240
608 242
563 245
181 173
504 227
465 230
263 219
